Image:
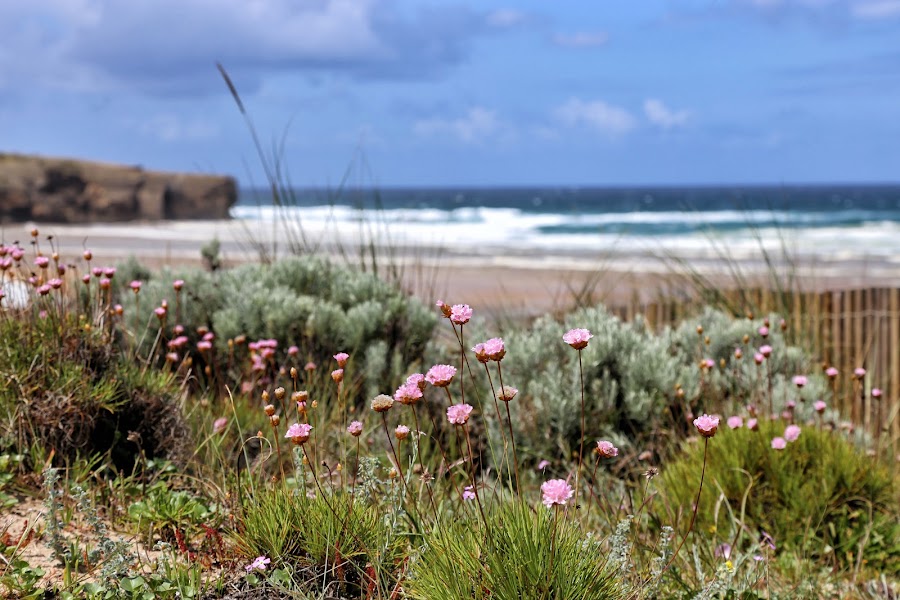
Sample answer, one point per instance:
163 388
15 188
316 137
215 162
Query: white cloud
506 17
476 125
172 45
662 116
876 9
581 39
603 117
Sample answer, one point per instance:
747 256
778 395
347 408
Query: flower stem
581 448
696 507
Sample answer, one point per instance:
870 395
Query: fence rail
846 329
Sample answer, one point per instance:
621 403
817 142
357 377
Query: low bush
820 496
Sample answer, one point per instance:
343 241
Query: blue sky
463 93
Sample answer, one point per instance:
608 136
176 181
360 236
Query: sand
511 283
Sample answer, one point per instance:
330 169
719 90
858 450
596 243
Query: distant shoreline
517 282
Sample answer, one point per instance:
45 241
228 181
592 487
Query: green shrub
628 377
820 496
461 561
303 301
741 380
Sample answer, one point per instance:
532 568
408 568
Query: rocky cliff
73 191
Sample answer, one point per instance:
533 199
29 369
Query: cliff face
72 191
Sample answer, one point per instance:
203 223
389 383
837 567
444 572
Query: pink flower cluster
606 449
707 425
440 375
458 414
577 338
492 349
408 393
299 432
460 314
556 492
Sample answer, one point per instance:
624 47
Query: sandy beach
511 282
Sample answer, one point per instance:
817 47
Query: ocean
821 222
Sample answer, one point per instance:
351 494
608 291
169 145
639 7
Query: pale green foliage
304 301
628 376
742 380
463 561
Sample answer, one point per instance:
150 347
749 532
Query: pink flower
752 424
110 272
204 345
172 357
764 331
859 372
178 284
606 449
543 465
556 491
299 432
355 428
87 254
758 358
458 414
791 433
310 366
86 279
831 372
337 375
440 375
495 349
159 311
735 422
779 443
765 350
444 308
43 290
819 406
480 355
42 262
577 338
738 353
259 563
341 358
800 380
468 493
706 425
293 351
408 393
790 405
707 363
460 313
402 432
57 283
220 424
876 392
97 271
135 286
417 379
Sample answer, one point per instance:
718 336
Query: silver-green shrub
304 301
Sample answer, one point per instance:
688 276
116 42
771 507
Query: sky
467 93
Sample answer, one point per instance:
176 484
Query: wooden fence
846 329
